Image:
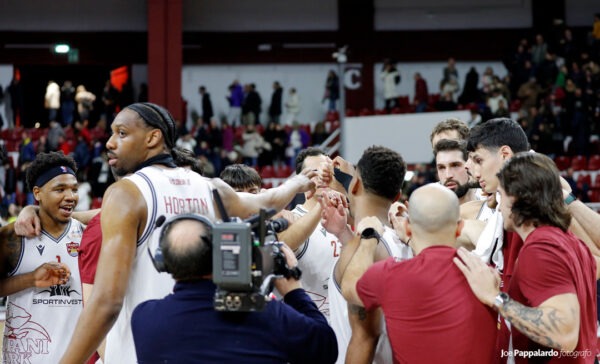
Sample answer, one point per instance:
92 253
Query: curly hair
533 180
45 161
495 133
382 171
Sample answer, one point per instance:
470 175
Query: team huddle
496 263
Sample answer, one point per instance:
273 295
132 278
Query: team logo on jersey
23 338
73 249
40 248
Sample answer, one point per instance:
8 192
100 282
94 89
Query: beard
462 190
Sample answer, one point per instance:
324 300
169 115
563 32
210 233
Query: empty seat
267 172
283 171
365 112
579 163
594 163
562 162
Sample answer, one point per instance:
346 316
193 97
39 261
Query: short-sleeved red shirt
431 314
550 263
89 250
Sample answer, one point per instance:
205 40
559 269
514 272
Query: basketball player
142 141
44 303
372 186
319 251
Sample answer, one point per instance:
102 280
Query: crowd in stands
552 88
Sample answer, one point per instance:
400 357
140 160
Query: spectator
297 140
109 101
207 108
292 107
253 144
236 99
470 92
332 90
85 102
319 135
391 78
275 106
276 136
538 50
67 100
421 93
52 100
251 107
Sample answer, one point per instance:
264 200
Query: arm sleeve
308 336
89 250
544 273
369 287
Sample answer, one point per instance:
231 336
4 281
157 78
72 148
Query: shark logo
40 248
23 338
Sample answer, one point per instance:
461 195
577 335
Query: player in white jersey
167 193
318 253
143 138
371 187
41 276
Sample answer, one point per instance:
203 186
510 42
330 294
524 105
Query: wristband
569 200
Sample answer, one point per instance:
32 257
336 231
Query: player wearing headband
41 277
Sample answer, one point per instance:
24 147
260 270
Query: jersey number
58 258
335 252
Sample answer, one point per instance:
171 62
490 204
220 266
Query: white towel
489 244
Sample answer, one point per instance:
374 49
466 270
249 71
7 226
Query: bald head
434 213
187 249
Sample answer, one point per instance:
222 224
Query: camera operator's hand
286 285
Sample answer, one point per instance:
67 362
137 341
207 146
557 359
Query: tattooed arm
46 275
366 328
554 323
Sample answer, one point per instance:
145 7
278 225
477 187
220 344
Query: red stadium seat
267 172
579 163
403 101
365 112
562 162
594 163
596 184
594 195
283 171
350 112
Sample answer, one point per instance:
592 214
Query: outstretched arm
301 229
122 221
246 204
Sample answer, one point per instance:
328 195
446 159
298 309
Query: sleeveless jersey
167 192
316 256
339 305
40 321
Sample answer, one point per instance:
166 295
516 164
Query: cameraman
184 327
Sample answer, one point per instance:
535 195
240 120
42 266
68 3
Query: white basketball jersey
339 305
40 321
168 192
316 257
